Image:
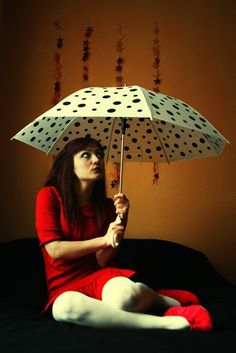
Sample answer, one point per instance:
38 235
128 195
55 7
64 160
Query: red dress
83 274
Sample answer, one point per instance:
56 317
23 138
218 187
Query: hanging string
157 83
58 63
86 53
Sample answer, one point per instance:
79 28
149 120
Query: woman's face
89 164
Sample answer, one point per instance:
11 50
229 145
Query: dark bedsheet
169 265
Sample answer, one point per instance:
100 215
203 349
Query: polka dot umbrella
149 126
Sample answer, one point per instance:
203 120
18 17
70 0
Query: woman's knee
69 306
122 293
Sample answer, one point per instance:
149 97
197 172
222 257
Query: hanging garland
115 175
120 58
155 173
86 53
58 64
157 82
156 60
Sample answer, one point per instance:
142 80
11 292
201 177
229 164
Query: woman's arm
67 250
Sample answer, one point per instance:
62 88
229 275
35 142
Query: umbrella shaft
121 161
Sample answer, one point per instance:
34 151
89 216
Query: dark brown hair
62 176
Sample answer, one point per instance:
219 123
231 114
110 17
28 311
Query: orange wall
194 202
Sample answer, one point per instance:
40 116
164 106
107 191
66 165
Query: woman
80 230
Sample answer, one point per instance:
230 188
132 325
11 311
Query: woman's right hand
114 233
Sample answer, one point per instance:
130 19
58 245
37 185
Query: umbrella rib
109 144
159 140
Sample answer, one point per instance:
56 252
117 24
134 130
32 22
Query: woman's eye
100 155
85 155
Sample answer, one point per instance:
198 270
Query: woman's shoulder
48 192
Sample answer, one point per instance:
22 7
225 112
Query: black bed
23 329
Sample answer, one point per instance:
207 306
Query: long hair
62 176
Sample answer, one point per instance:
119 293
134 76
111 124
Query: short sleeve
48 209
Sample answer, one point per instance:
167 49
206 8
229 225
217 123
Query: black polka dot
111 110
116 102
136 100
66 103
175 106
81 105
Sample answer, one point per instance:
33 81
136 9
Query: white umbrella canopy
158 127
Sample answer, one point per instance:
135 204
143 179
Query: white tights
123 305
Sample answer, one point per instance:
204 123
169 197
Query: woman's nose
95 158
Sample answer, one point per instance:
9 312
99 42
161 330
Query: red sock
197 316
183 296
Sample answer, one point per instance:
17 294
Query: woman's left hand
122 205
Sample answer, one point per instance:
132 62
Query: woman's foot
198 317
